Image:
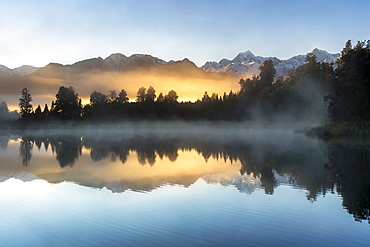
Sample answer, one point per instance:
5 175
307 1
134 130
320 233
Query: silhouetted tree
46 111
214 97
67 104
267 73
122 97
160 98
140 96
97 98
25 103
171 97
351 98
38 114
312 68
150 95
206 97
38 110
112 96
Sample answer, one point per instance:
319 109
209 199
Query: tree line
339 90
117 106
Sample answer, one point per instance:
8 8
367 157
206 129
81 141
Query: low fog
282 138
309 110
244 148
190 85
299 108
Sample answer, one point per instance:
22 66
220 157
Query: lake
182 185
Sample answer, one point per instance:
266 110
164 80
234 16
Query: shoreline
341 130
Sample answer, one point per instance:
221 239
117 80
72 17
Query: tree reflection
25 150
353 183
4 140
67 150
345 170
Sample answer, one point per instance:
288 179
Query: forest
313 92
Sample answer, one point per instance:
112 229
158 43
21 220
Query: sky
39 32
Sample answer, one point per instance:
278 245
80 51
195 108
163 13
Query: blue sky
38 32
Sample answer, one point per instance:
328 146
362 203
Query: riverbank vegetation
349 102
344 129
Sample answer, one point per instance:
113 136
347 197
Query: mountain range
242 65
114 63
243 183
247 64
118 71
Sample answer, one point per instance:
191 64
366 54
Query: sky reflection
201 214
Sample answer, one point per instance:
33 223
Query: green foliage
298 96
343 129
267 74
351 98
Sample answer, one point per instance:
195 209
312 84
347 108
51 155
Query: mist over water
247 144
181 178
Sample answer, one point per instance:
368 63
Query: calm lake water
177 186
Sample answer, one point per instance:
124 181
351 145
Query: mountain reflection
317 167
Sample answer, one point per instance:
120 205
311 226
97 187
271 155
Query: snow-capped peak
114 60
3 68
25 70
116 57
322 55
155 59
246 64
6 72
243 57
21 175
247 53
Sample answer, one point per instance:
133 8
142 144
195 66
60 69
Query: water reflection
25 150
352 170
317 167
4 142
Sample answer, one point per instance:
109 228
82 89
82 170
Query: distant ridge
117 63
243 64
247 64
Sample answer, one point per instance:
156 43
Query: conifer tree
25 103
